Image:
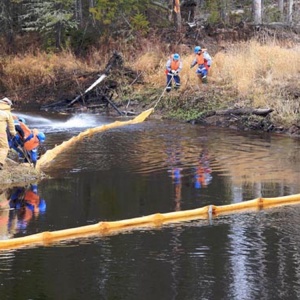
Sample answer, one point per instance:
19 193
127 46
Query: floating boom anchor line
52 153
152 221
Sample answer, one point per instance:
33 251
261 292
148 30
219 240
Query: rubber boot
204 80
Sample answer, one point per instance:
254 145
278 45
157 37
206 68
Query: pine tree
52 19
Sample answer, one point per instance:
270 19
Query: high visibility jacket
31 141
175 64
27 132
32 198
6 120
172 64
202 59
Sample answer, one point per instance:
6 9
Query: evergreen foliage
53 19
59 23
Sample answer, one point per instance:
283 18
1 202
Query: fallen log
245 111
239 118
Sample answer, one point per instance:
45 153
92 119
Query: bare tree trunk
91 3
58 31
280 8
224 10
170 6
78 11
177 14
257 11
7 28
290 12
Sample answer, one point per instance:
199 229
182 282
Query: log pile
98 98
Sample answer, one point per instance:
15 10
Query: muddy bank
246 119
15 174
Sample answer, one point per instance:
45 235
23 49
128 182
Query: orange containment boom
52 153
155 220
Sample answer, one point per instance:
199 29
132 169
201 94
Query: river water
141 169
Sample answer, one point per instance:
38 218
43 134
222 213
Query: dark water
159 167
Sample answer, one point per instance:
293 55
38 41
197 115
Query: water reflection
175 173
18 207
161 167
199 174
203 171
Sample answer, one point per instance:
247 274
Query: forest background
53 50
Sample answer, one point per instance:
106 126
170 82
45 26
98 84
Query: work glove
175 73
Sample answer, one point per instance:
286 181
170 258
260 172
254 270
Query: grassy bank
246 74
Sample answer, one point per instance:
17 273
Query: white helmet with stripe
6 100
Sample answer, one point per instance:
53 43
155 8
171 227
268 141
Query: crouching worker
16 142
26 142
173 67
6 123
32 143
203 60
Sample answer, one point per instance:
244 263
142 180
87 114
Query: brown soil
15 174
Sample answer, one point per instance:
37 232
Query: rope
172 75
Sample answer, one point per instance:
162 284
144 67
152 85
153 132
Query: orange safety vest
26 130
174 64
32 142
32 198
201 60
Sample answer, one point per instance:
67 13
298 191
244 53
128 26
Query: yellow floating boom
155 220
52 153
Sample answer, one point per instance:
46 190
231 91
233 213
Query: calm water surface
158 167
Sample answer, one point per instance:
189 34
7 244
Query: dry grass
248 66
40 68
260 75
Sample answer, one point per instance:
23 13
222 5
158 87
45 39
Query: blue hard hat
41 136
197 49
22 120
176 56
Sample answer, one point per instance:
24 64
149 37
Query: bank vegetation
54 50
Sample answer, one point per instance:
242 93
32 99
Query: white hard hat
7 101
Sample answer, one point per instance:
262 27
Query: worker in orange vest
173 68
33 201
25 203
31 144
28 140
203 61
